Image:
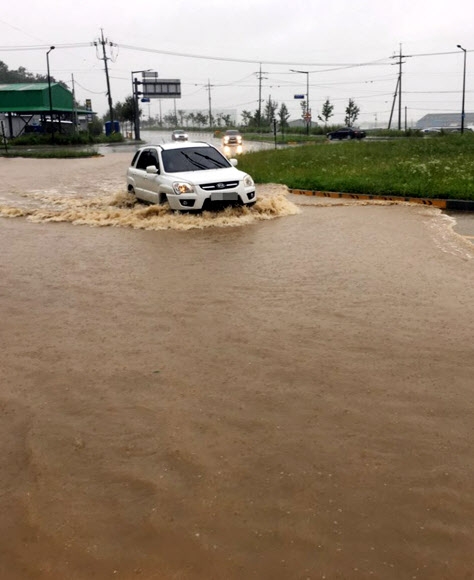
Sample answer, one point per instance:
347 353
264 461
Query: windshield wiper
211 159
193 161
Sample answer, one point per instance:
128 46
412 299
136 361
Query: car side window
142 162
135 158
153 159
148 157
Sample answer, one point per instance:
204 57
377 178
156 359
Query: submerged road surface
286 397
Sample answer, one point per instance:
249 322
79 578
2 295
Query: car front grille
219 186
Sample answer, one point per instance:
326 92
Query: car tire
131 190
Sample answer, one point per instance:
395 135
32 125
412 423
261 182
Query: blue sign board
145 100
299 96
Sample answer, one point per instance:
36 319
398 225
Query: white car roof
180 145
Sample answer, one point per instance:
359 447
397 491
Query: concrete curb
450 204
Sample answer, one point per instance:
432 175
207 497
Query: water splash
123 210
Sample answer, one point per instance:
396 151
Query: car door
138 173
152 181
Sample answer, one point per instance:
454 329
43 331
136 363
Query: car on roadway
179 135
232 143
232 137
190 176
346 133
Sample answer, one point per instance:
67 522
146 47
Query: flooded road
157 137
282 394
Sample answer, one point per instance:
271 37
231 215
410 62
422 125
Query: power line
44 47
251 61
88 90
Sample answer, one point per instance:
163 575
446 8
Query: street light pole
50 97
463 88
135 102
308 110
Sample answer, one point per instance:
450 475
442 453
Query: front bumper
205 200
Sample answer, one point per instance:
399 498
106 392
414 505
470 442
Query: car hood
209 175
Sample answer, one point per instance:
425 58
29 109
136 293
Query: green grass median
440 167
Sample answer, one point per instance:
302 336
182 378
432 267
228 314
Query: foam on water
122 210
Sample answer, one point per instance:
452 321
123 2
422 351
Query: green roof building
28 101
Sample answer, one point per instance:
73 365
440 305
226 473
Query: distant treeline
21 75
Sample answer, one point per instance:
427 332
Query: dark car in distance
346 133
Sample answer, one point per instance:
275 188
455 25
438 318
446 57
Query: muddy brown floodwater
280 393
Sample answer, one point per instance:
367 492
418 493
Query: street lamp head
141 71
459 46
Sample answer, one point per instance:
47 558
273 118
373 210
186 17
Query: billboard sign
161 89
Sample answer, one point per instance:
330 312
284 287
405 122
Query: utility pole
260 77
210 111
74 114
399 88
463 88
393 104
308 108
50 96
105 58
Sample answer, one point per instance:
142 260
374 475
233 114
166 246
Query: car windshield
192 159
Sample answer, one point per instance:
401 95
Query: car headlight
239 139
182 187
248 181
226 140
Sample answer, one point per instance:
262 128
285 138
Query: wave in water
123 210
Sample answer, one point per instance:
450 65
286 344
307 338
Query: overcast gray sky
328 38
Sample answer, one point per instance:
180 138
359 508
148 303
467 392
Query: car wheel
251 204
131 190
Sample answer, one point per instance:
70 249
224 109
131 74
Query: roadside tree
270 110
283 116
352 112
326 112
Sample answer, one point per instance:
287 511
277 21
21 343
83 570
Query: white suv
189 176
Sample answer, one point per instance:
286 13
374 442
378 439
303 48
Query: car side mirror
233 162
152 169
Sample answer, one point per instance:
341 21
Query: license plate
224 196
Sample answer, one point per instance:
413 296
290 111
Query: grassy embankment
49 154
66 146
436 167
